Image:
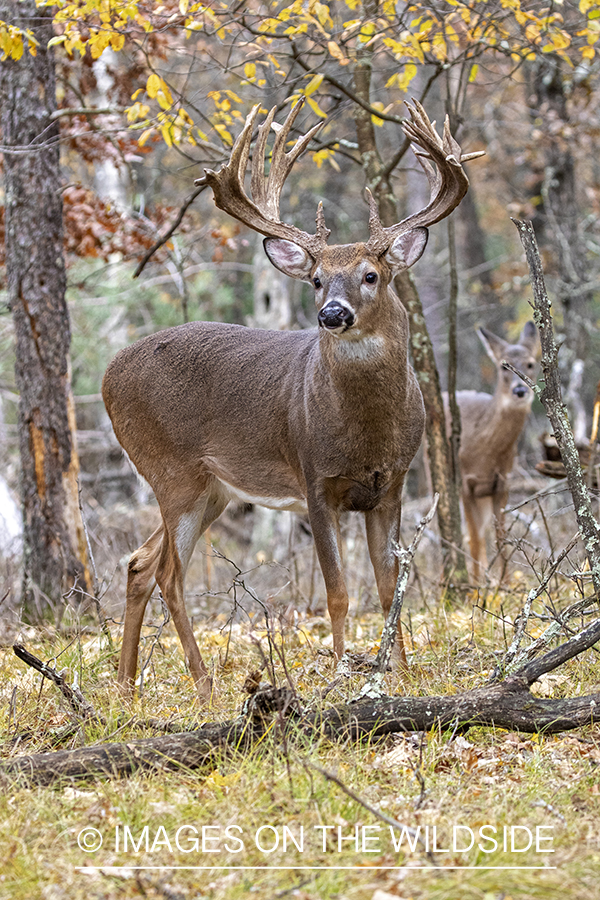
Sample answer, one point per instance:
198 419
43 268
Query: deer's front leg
383 534
325 528
499 501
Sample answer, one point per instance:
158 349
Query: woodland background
138 99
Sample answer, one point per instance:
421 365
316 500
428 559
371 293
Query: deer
491 425
317 421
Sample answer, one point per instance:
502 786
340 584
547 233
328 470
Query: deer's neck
368 371
505 421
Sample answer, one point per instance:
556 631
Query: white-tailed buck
316 421
491 425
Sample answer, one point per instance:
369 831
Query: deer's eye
371 277
530 365
317 283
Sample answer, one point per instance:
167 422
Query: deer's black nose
335 315
520 390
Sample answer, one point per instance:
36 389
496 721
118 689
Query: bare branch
171 230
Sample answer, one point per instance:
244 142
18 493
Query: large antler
262 211
448 182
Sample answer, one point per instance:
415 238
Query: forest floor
503 815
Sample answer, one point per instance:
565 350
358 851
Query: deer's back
181 385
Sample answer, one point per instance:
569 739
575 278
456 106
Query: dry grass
484 777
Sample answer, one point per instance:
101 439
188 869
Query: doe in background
491 425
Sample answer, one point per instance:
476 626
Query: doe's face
513 386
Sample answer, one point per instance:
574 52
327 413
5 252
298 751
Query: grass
276 800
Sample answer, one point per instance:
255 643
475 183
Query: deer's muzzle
335 317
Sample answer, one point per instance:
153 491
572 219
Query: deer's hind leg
163 559
141 581
183 525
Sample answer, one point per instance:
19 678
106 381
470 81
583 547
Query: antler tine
240 153
282 162
376 229
448 182
323 231
262 211
258 184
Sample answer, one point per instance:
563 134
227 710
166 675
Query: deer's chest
361 494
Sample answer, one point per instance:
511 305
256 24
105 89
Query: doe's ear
529 338
406 249
495 346
289 258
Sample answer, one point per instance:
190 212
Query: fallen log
508 704
190 749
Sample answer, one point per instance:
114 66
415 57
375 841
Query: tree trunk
558 221
55 558
438 446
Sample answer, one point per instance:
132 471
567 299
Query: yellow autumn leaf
223 134
375 119
316 108
250 71
165 130
17 48
313 85
163 101
323 14
335 51
144 136
98 44
403 81
184 116
560 40
117 41
439 47
153 85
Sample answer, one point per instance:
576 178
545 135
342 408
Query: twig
525 378
372 809
551 398
155 640
86 111
95 596
374 686
554 658
169 232
553 630
510 663
82 707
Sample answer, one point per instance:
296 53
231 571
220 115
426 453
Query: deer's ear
495 346
529 338
289 258
407 249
